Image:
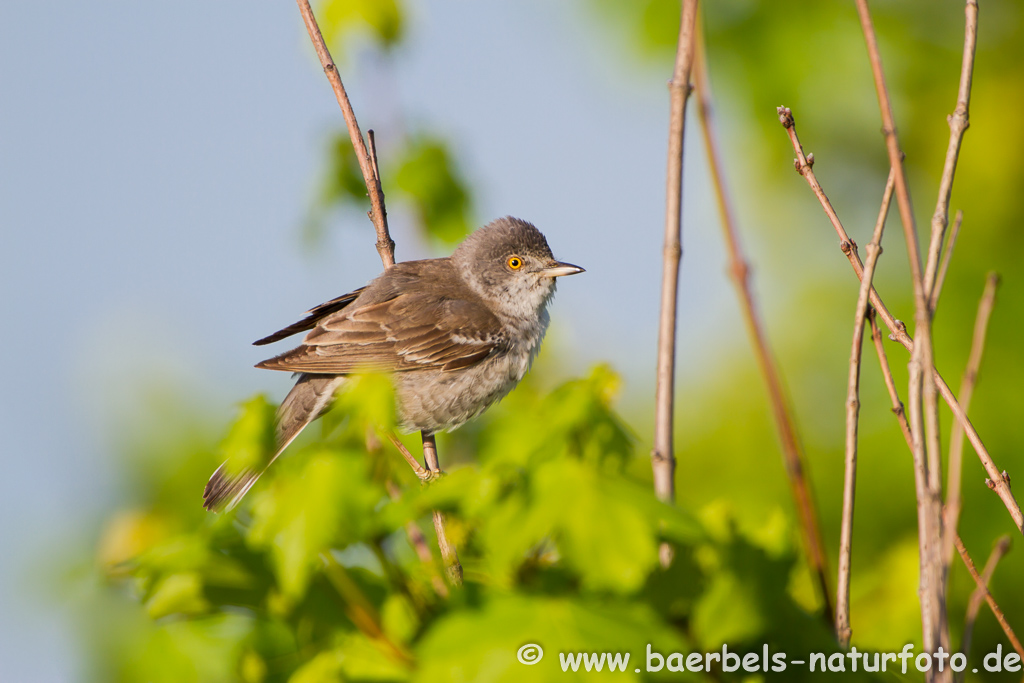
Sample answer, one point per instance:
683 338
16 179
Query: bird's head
509 264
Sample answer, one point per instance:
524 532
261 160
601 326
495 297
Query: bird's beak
558 269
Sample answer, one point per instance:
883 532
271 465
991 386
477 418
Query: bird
455 334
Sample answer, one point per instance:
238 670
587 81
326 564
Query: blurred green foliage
421 173
384 20
313 578
427 176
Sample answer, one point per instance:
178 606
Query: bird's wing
412 331
313 316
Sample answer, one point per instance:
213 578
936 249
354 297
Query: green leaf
481 644
325 667
363 402
384 19
331 501
250 441
177 594
428 176
611 544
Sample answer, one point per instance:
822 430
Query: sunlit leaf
250 440
177 594
384 19
428 176
481 644
299 516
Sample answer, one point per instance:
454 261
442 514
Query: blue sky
157 161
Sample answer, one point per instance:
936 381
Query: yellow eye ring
515 263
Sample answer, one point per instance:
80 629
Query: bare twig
874 249
419 543
981 592
663 458
450 556
890 384
956 437
947 256
1001 547
739 273
922 399
897 330
998 613
959 121
378 215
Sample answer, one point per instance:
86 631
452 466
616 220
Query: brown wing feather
411 331
313 316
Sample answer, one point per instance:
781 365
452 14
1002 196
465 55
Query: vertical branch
739 273
663 458
947 256
385 245
419 543
956 437
959 121
874 249
890 383
922 395
449 554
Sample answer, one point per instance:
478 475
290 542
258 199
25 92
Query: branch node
658 456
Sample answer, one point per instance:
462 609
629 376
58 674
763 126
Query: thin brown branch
956 437
739 273
874 249
947 256
922 399
378 214
959 121
890 384
419 543
998 613
897 330
981 592
449 554
663 459
1001 547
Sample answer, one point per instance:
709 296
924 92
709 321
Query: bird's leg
448 552
424 474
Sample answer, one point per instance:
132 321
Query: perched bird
456 334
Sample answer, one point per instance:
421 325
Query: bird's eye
515 263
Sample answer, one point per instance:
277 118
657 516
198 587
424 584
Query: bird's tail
307 400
